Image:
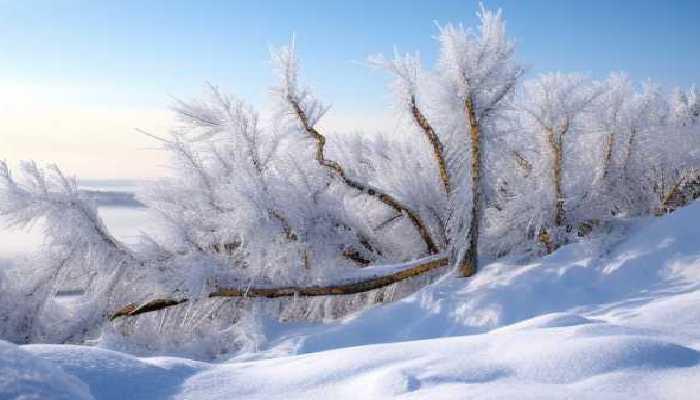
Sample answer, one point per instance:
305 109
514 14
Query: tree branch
340 172
362 286
438 149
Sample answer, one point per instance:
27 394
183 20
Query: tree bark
438 149
468 265
555 141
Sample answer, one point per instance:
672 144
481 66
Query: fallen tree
360 286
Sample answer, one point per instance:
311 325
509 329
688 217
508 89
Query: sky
78 77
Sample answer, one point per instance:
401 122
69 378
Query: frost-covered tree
302 110
675 169
409 79
685 106
80 251
631 122
456 107
613 119
252 201
555 107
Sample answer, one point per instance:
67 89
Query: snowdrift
24 376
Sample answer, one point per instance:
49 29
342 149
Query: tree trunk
468 265
629 151
558 194
607 158
558 159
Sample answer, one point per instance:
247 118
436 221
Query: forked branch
385 198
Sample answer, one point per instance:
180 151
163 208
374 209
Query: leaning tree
268 205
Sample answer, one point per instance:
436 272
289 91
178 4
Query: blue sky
136 54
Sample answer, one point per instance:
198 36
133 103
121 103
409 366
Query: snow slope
586 360
655 268
612 319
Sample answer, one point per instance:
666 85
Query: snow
614 318
542 363
113 375
539 359
24 376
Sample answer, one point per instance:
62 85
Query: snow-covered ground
618 318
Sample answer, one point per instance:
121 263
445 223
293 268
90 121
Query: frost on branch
70 218
244 191
457 107
407 70
555 108
304 111
80 253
